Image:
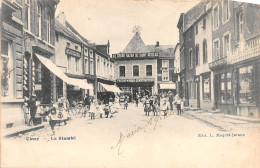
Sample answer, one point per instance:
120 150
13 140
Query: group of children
152 104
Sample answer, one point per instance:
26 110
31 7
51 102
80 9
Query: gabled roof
136 45
163 50
59 27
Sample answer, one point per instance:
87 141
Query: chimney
157 44
61 18
108 46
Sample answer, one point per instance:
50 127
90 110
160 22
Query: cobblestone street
129 136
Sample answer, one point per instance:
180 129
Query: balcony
246 49
218 63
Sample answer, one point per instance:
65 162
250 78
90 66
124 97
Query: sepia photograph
130 84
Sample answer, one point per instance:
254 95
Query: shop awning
58 72
110 88
167 86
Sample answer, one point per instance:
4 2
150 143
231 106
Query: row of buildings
45 56
218 57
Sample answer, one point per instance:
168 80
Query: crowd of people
155 104
161 103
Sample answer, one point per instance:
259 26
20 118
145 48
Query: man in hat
32 107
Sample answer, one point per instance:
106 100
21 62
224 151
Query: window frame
190 59
223 12
76 64
197 55
28 5
218 17
48 27
205 51
228 33
11 72
120 71
151 69
208 76
39 13
167 72
86 67
138 71
204 23
214 52
69 62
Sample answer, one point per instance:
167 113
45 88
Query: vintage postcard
130 83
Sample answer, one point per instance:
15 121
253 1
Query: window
86 66
165 63
48 24
225 10
226 45
91 67
86 51
205 53
28 14
206 87
165 75
190 90
7 69
204 24
226 88
216 50
222 88
76 47
149 70
77 64
39 12
197 55
190 58
69 62
196 29
239 26
190 35
215 17
135 70
246 85
122 71
91 53
68 44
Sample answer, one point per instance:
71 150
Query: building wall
102 70
142 69
61 58
171 69
11 31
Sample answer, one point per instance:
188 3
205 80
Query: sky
113 20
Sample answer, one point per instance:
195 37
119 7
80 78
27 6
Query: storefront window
222 89
206 87
229 95
246 85
7 69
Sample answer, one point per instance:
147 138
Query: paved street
173 141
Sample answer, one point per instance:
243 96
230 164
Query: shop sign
71 52
135 55
136 80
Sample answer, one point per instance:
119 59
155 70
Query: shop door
216 91
198 94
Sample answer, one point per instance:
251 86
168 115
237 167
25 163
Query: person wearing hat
33 108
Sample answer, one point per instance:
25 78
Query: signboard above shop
71 52
135 55
145 80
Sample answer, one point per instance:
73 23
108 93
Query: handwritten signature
153 121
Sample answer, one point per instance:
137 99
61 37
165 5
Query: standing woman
146 106
164 106
92 109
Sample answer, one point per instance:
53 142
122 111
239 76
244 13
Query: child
92 110
125 104
53 119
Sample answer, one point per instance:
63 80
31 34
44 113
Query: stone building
136 68
76 58
12 63
165 67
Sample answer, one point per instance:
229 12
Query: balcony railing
218 63
245 50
